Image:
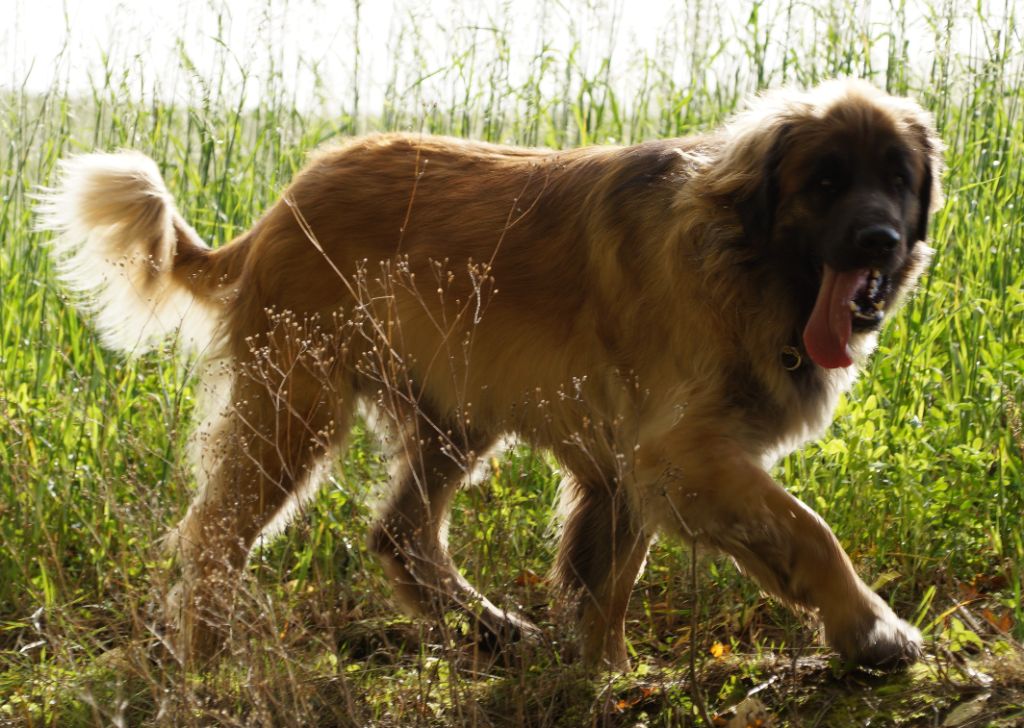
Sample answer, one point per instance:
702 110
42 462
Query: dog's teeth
873 312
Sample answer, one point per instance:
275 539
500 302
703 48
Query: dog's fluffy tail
129 257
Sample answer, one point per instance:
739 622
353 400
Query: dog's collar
792 358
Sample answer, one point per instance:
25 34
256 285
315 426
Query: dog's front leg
711 490
601 554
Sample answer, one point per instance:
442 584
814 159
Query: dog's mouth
848 301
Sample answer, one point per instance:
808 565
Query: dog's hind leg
410 535
258 456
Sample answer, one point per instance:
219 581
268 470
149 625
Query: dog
667 319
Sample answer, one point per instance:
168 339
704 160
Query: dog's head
841 181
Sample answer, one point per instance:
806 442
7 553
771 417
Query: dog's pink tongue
828 330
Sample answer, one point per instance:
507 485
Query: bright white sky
66 39
37 31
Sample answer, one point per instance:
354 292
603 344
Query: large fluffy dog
667 318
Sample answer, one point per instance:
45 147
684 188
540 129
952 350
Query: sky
44 40
310 40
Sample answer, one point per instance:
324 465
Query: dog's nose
878 239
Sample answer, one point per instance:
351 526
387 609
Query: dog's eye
827 184
898 169
828 175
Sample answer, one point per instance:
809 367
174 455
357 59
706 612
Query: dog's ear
924 202
757 211
755 205
929 145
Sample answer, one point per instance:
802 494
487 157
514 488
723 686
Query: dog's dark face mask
842 209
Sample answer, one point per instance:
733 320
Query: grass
921 475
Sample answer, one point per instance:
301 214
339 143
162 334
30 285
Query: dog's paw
190 631
890 644
503 629
503 640
885 642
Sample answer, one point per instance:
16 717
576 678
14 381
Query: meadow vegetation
921 475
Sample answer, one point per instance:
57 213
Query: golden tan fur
625 307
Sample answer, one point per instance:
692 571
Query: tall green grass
922 474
